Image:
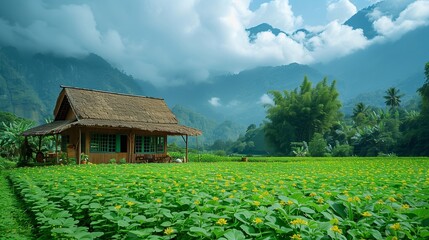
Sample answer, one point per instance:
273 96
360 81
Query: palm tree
359 108
393 98
360 114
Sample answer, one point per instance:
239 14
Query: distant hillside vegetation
29 84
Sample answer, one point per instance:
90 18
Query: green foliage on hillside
29 85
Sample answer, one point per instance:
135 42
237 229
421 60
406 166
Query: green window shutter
118 143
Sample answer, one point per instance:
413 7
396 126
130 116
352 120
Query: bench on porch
150 158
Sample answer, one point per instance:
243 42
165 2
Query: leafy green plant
112 161
122 161
347 198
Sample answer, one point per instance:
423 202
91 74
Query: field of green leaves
331 199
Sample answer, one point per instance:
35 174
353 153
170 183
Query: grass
14 222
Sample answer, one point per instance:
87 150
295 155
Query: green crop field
330 199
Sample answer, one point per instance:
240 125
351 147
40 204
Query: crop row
379 199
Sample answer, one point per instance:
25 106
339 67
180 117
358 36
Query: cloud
215 102
415 15
337 40
340 10
277 13
265 99
176 42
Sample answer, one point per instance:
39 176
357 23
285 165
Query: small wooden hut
106 125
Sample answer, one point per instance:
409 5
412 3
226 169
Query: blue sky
313 11
175 42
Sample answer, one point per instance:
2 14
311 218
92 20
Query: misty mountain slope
15 95
381 66
30 84
364 20
212 130
239 94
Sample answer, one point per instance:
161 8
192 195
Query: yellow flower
168 231
158 200
392 199
395 226
197 202
299 221
215 199
335 228
256 203
368 197
381 202
282 202
320 200
221 221
405 206
257 220
99 195
313 194
289 202
394 238
130 203
117 207
296 237
356 198
163 190
366 214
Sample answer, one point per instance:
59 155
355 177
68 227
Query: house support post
186 142
56 147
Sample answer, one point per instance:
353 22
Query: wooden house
106 125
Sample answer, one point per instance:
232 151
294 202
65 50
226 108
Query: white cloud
340 10
265 99
175 42
337 40
277 13
215 102
415 15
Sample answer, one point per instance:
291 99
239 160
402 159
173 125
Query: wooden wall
74 143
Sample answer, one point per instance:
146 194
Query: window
149 144
103 143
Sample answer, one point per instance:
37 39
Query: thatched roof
91 104
93 108
49 128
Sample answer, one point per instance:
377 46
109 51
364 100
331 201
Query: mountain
364 18
29 87
263 27
239 95
29 84
394 63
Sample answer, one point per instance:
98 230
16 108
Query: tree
415 140
11 138
296 115
424 93
360 114
393 98
317 146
